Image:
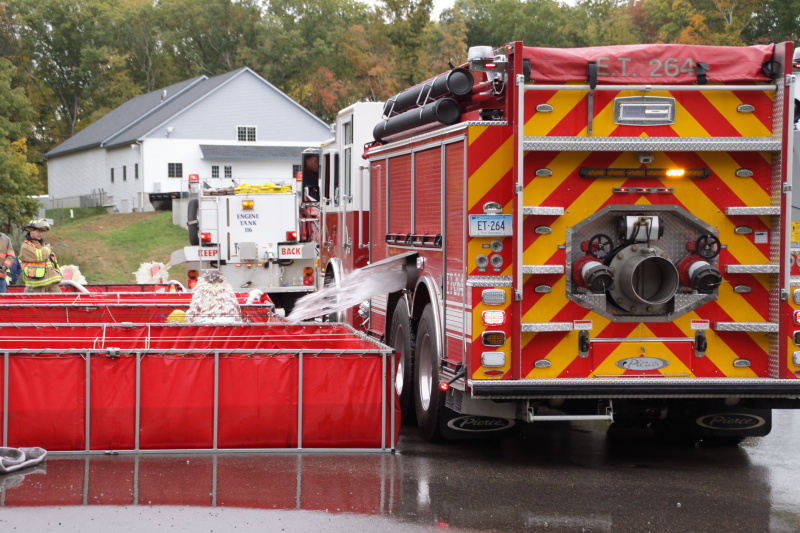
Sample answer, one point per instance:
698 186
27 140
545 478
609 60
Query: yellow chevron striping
634 349
542 123
719 353
747 124
540 188
474 132
491 171
722 164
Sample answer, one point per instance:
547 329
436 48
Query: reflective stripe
40 282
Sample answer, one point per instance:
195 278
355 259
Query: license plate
490 226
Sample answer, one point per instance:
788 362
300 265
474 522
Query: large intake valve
645 279
695 271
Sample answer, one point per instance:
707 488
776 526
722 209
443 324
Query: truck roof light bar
648 173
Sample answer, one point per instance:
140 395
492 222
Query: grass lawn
110 248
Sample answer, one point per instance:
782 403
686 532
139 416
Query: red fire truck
588 234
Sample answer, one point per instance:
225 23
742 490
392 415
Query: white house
236 126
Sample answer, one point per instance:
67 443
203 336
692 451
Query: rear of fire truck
599 234
251 234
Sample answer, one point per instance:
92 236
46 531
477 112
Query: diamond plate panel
660 144
543 211
758 327
489 281
542 269
752 269
760 210
535 327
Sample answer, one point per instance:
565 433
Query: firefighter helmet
38 223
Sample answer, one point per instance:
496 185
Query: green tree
17 175
406 23
139 38
777 21
210 37
68 43
309 50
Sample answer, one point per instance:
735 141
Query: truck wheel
401 339
194 231
429 400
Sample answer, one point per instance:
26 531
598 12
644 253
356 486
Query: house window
246 133
112 175
214 171
228 172
136 171
175 170
125 173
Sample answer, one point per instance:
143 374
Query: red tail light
205 237
493 318
291 236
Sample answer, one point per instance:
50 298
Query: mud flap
732 422
455 426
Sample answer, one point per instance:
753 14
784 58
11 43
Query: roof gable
140 116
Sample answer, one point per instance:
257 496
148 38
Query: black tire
429 401
401 338
722 441
194 231
675 432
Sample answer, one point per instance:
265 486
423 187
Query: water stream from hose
354 288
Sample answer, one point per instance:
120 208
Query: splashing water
356 287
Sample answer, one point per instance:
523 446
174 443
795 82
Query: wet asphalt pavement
562 478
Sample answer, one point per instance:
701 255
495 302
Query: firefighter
308 227
311 178
40 270
7 258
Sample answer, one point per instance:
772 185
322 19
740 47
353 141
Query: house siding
244 100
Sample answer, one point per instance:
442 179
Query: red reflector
291 235
205 237
493 317
443 386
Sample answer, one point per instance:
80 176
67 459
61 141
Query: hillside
110 248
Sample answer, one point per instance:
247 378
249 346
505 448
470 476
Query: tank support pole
216 399
383 402
88 404
5 399
300 401
138 413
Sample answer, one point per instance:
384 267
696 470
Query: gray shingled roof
135 118
125 117
227 151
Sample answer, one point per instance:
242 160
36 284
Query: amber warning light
692 173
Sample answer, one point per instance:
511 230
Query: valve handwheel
600 246
707 246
